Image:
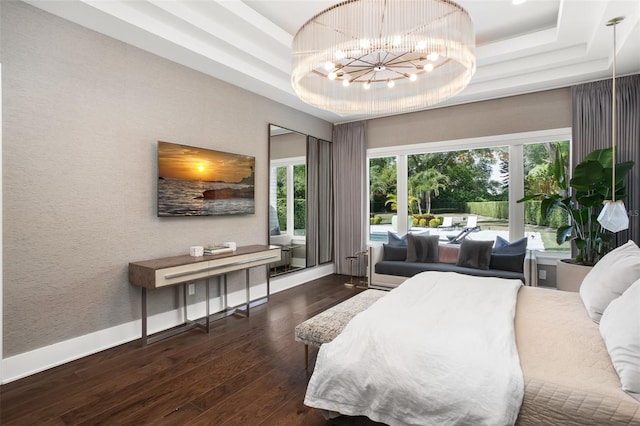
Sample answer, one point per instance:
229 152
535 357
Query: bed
566 374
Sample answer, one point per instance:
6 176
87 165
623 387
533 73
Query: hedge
497 209
532 216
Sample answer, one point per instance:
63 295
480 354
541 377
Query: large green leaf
559 172
602 156
548 204
622 170
581 216
563 233
590 200
588 175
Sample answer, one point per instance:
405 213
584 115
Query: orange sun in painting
187 162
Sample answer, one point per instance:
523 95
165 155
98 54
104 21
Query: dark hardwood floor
246 371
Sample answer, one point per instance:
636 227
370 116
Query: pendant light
613 216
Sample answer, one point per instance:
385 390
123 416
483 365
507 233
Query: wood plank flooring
246 371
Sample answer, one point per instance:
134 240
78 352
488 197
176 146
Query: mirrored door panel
288 198
300 199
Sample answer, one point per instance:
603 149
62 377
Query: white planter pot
569 276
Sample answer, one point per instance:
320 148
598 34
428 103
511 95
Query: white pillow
609 278
620 329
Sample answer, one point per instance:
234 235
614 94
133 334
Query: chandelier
383 56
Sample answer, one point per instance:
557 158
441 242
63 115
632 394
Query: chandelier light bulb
413 77
390 84
340 55
367 85
329 65
332 75
345 83
433 56
428 67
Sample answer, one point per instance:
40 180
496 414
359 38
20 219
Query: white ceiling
538 45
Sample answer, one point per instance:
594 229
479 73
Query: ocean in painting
184 197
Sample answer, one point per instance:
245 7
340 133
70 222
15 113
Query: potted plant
581 198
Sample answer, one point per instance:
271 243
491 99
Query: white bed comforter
438 350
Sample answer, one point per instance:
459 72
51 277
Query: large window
475 185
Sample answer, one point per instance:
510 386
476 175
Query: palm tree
428 182
392 202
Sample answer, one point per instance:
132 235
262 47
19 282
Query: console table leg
207 296
226 304
268 283
247 291
144 316
184 298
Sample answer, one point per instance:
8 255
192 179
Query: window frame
514 142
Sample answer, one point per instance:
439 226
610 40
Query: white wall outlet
192 289
542 274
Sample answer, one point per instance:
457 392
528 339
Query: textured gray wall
82 117
524 113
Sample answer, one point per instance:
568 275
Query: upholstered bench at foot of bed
325 326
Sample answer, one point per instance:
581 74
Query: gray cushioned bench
325 326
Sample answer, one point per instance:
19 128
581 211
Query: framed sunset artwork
196 181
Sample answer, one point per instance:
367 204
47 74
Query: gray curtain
591 129
312 201
349 175
325 204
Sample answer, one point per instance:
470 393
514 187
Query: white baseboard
286 281
28 363
37 360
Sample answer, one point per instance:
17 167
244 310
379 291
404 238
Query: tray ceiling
538 45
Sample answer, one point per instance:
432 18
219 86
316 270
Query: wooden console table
180 270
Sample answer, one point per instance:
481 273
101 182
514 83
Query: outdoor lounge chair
472 223
447 222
